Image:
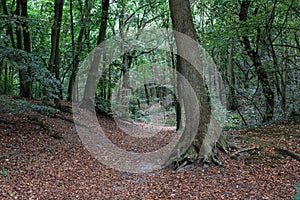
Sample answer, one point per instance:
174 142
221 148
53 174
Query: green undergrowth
18 106
296 119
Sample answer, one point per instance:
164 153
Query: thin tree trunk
79 49
54 62
230 76
24 75
10 28
147 94
90 86
109 83
256 59
71 85
27 90
12 40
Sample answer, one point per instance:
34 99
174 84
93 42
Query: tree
90 86
54 62
200 149
270 29
23 42
255 57
78 48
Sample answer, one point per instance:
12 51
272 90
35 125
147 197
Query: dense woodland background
255 45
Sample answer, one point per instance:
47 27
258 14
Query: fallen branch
289 153
237 153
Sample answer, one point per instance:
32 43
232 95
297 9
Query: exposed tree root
192 157
226 144
237 153
289 153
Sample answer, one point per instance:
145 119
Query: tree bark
90 86
231 102
27 90
199 149
24 42
10 28
78 50
257 63
54 62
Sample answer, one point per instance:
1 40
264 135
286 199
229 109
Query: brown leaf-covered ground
42 157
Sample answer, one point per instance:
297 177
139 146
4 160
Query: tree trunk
90 86
10 28
78 50
200 149
231 102
23 39
54 61
6 80
10 32
71 81
256 59
27 90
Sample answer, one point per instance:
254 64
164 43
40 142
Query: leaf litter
35 165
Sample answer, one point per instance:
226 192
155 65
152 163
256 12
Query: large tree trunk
90 86
202 147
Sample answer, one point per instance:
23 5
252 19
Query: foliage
272 29
21 106
102 106
5 173
22 60
233 120
273 34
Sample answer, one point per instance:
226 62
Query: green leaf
4 171
13 193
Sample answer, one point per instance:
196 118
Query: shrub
20 106
103 106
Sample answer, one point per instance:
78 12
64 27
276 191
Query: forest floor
42 157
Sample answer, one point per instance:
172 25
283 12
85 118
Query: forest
149 99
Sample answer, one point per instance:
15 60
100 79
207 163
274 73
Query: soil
42 157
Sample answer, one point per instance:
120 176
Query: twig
237 153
